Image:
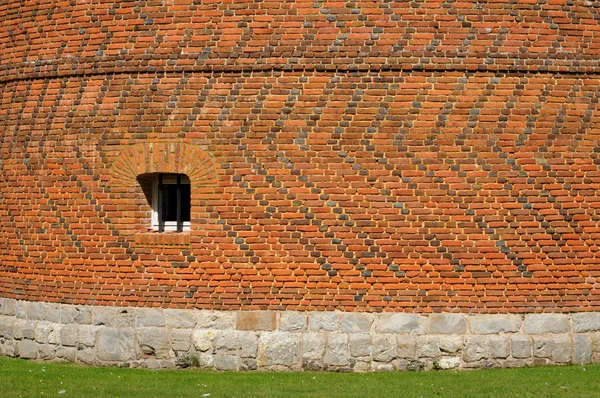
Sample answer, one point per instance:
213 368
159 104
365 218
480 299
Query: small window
171 202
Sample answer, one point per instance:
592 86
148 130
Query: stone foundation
269 340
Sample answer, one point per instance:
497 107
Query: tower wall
346 159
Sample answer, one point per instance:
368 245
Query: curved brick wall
416 157
416 192
82 37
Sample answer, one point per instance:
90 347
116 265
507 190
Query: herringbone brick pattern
420 156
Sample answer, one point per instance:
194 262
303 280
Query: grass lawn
21 378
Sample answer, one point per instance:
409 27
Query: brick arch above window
163 157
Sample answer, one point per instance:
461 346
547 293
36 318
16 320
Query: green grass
20 378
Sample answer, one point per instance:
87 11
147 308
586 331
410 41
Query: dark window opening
173 201
169 197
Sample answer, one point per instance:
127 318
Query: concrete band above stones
287 340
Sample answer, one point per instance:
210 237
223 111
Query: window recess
170 202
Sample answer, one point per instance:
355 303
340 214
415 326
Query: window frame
158 183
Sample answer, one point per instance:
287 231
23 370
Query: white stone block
402 323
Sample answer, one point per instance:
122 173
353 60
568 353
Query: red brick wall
402 156
76 37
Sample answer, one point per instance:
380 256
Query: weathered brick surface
401 156
63 37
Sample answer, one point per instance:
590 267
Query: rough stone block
384 347
27 349
21 309
256 320
449 362
248 364
494 324
356 323
16 330
313 365
541 361
80 314
543 346
46 352
67 314
149 317
582 349
43 331
227 340
499 347
362 366
248 343
66 353
35 311
323 321
450 344
586 322
83 315
7 327
51 312
547 323
86 355
337 350
520 346
115 345
279 349
448 324
204 339
8 307
563 347
226 362
595 338
402 364
313 345
360 344
407 346
104 316
153 342
8 348
125 318
54 335
402 323
219 320
476 348
24 329
206 360
181 339
428 346
382 367
180 319
87 335
292 321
